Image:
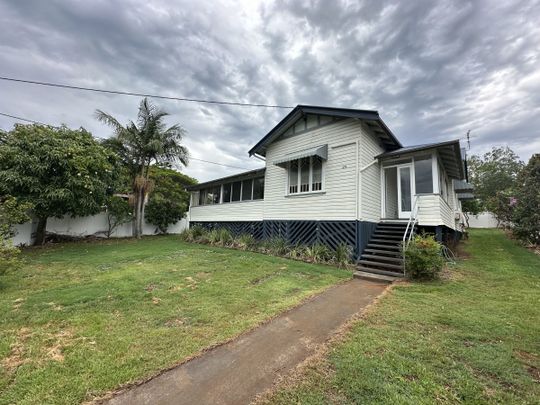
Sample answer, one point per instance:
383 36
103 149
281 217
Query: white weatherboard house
338 175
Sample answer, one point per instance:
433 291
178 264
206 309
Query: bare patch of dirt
460 251
172 323
17 353
58 342
17 303
528 359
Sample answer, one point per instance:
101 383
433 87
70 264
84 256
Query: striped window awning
321 151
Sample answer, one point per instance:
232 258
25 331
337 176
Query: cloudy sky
432 69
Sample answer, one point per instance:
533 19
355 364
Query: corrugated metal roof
235 177
449 152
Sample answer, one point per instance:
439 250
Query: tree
170 200
141 144
526 215
118 213
59 171
494 176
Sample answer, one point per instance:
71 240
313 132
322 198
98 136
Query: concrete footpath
236 372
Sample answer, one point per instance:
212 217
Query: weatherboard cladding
370 178
337 201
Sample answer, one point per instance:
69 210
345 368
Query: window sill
305 194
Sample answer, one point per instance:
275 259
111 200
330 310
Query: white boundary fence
85 226
482 220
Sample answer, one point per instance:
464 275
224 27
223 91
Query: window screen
236 191
304 175
247 188
423 175
258 188
293 177
316 176
227 192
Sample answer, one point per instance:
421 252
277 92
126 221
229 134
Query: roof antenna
469 139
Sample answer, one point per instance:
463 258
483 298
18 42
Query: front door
405 191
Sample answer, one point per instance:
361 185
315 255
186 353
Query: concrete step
374 277
380 272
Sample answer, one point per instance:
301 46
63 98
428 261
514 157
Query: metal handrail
413 219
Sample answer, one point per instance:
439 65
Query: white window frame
310 188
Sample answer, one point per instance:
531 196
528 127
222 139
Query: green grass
80 319
474 338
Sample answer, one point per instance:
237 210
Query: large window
246 190
305 175
258 188
236 188
423 174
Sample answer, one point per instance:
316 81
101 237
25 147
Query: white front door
405 191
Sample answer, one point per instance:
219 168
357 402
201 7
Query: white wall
84 226
370 178
338 200
482 220
234 211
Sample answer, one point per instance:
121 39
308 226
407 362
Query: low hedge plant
423 258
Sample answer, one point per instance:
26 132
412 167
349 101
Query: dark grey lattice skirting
330 233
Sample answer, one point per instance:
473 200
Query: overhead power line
23 119
130 93
191 158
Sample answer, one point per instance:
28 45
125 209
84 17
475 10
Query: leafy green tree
141 144
494 177
60 171
170 200
12 212
118 213
526 215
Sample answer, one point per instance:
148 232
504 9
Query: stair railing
409 231
411 223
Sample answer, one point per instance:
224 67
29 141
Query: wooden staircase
382 259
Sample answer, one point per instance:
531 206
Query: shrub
197 231
423 258
245 241
276 246
225 237
343 254
213 237
118 213
9 256
297 252
526 217
318 253
195 234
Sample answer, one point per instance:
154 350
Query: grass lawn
474 338
80 319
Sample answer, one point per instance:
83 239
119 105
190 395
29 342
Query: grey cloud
432 69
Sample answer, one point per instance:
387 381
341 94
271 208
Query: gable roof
449 152
370 117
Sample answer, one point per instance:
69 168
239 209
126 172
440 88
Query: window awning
321 151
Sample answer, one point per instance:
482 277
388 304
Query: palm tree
141 144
